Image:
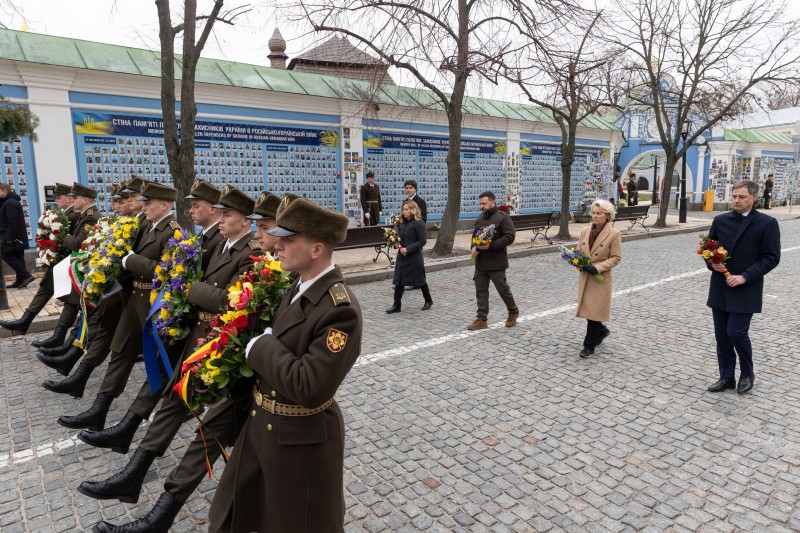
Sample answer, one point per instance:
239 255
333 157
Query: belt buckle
259 398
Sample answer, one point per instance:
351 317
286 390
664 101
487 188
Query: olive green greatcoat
285 474
594 298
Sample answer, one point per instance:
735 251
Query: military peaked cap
203 190
266 206
156 191
134 185
307 218
62 188
233 198
82 190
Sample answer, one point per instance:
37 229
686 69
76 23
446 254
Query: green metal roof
758 136
76 53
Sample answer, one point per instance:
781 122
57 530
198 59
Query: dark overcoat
423 207
754 246
285 474
371 202
409 270
496 257
142 266
12 222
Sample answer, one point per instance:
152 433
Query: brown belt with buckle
140 285
282 409
206 317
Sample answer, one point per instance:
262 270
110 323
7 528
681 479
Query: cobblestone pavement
504 429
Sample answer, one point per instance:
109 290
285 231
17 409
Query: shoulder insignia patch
253 244
90 212
339 294
174 224
336 340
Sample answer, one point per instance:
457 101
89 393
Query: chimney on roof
277 50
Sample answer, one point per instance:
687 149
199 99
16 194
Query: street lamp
682 204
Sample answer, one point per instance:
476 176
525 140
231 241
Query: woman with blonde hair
409 269
603 244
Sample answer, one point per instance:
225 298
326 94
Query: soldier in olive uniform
141 262
371 203
210 297
45 292
286 469
102 323
203 197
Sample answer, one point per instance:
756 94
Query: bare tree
782 95
441 43
699 62
180 144
572 75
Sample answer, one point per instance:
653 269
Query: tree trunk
452 210
566 181
661 222
183 175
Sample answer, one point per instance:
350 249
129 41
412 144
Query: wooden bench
538 222
635 215
367 237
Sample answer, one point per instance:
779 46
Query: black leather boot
73 385
20 325
61 349
93 418
158 520
125 485
56 339
62 363
117 437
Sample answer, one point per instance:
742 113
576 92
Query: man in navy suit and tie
753 242
411 190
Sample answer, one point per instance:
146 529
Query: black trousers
594 330
399 290
16 260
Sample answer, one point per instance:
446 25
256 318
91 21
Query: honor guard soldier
141 262
371 201
231 258
286 469
203 197
103 321
45 292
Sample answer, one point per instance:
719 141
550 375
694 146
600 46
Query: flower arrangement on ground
51 229
575 258
105 261
178 269
483 235
713 253
210 373
391 236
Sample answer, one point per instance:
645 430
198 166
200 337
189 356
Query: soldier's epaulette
254 245
174 224
339 294
90 212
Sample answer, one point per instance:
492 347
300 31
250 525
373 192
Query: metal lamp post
682 203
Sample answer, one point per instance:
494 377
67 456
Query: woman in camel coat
603 244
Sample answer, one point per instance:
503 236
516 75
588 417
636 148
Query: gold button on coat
273 393
253 412
269 427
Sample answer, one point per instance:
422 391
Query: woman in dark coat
409 269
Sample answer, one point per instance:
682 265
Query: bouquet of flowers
51 229
396 219
579 260
178 269
80 259
105 261
219 362
714 254
391 237
482 235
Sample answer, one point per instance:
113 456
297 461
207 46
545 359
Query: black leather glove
591 269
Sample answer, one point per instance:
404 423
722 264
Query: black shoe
56 339
722 384
20 325
74 385
393 309
745 384
17 283
93 418
56 350
159 519
125 485
62 364
117 437
606 333
25 282
140 358
586 352
427 305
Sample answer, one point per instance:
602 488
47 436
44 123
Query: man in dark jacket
13 235
753 242
371 201
492 261
411 190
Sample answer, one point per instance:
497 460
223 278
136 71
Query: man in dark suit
371 201
411 190
753 242
13 235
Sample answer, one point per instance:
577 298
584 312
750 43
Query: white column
700 174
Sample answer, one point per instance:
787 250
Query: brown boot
478 323
511 321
